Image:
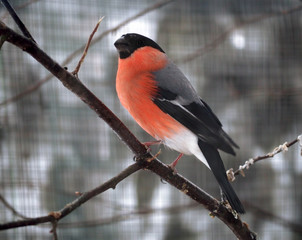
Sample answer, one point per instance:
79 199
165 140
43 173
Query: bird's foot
173 168
147 144
174 163
151 143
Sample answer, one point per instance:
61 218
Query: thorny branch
143 157
282 148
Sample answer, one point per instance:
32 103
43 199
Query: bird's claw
173 168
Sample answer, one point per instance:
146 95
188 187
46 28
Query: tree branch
282 148
57 215
143 157
54 230
11 208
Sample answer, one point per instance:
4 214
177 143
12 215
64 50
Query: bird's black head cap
128 43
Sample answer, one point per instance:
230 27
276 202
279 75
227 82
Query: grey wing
177 97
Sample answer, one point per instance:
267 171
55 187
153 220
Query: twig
11 208
16 18
117 27
223 36
240 229
54 229
282 148
76 70
38 84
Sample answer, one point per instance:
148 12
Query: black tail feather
214 160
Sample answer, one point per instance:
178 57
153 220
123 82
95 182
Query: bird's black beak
123 47
121 44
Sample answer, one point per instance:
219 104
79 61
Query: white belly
186 142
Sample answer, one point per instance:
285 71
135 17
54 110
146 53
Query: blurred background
244 59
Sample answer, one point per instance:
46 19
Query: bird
164 103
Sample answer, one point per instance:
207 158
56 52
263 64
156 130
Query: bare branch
38 84
143 157
117 27
76 70
11 208
282 148
57 215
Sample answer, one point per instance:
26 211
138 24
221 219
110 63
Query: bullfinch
163 102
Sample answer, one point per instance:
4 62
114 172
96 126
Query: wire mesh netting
244 59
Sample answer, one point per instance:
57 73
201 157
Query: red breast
135 86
